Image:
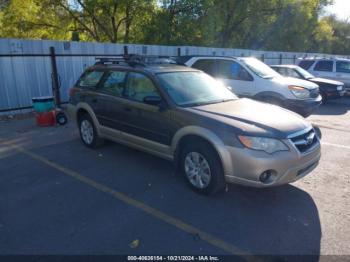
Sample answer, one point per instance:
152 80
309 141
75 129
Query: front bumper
332 94
303 107
288 166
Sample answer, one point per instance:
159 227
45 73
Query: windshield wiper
267 77
228 99
208 102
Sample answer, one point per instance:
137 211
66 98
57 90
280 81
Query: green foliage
286 25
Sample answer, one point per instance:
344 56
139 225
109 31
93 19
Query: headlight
299 92
339 88
269 145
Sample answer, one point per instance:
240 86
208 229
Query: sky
341 8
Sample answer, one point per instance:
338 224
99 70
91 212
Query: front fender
209 136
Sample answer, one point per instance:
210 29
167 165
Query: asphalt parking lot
58 197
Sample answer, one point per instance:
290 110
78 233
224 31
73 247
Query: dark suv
186 116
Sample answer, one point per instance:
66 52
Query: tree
284 25
102 20
32 19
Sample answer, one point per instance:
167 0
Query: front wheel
202 168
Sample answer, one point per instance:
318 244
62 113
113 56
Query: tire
61 118
88 133
201 168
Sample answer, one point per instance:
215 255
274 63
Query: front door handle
94 100
127 109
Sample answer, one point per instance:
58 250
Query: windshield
304 73
194 88
259 68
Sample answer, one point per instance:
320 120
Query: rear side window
306 64
343 67
90 78
324 66
206 65
114 83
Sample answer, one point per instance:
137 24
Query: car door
343 72
142 120
324 68
236 76
109 103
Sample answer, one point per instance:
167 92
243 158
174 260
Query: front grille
314 93
305 141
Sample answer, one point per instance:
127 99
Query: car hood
254 118
295 81
326 81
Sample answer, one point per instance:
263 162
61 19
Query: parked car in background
249 77
328 88
332 68
186 116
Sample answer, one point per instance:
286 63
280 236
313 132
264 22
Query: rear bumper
303 107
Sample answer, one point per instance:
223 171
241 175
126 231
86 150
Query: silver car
332 68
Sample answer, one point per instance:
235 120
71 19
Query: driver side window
232 70
139 86
291 73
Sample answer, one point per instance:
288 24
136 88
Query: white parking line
335 145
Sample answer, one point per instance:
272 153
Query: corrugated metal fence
25 65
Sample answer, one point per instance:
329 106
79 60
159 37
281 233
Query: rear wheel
88 133
202 169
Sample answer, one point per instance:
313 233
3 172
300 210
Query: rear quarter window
306 64
90 78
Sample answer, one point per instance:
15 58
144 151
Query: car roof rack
135 60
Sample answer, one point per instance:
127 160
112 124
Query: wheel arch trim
209 136
87 107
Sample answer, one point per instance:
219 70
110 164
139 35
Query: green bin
43 104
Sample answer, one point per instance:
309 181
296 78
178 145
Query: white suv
249 77
332 68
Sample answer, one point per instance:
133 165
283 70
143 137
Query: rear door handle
94 100
127 109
